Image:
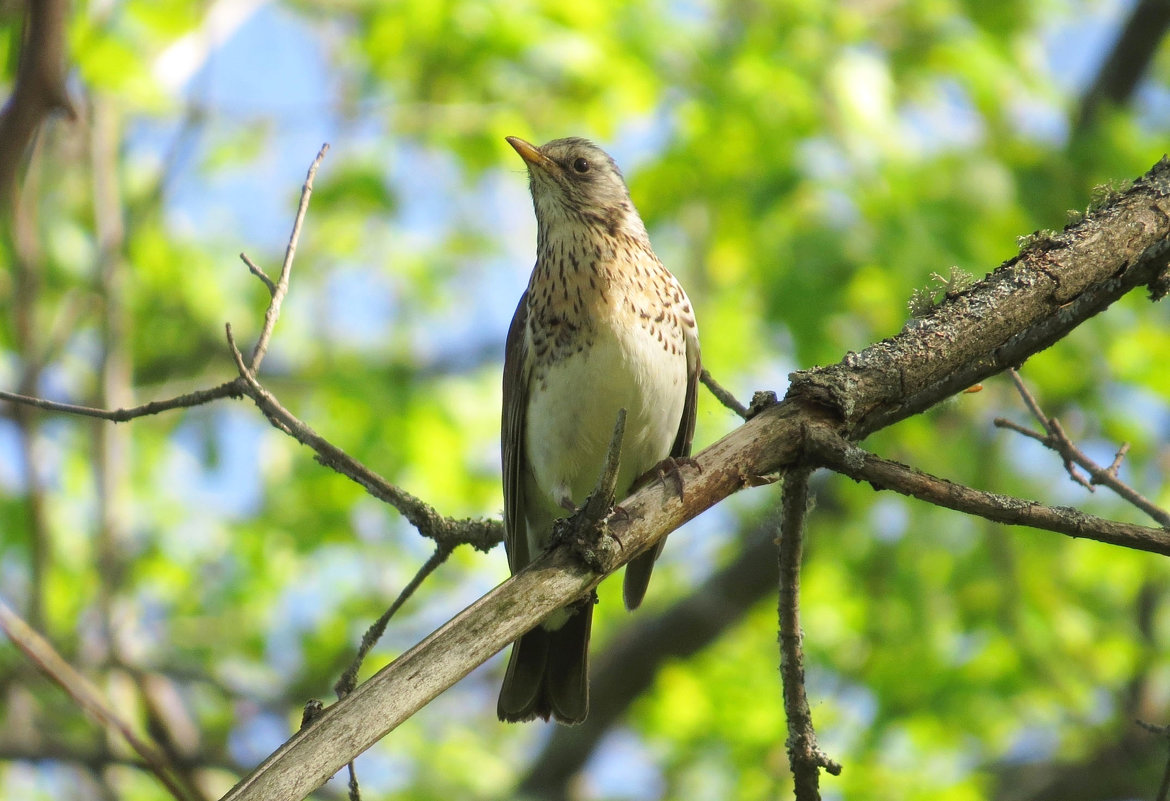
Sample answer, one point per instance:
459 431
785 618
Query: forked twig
1057 440
273 311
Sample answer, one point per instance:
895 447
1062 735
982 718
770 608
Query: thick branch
553 581
1028 303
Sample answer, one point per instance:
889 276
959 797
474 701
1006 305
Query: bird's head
573 181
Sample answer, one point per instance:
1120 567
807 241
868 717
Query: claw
671 465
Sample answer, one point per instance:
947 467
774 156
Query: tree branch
1058 441
1128 61
39 89
805 757
448 532
480 534
830 450
281 289
1032 300
228 389
721 394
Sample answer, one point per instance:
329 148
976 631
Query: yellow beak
531 154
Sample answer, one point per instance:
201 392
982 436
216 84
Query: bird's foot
670 466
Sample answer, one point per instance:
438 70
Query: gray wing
686 426
512 438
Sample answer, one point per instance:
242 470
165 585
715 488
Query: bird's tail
548 673
637 577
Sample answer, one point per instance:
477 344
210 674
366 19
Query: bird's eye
581 165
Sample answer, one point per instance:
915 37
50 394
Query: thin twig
1069 454
805 757
724 397
830 450
479 533
228 389
1115 465
256 271
45 656
585 530
1058 441
273 311
348 680
601 499
1029 399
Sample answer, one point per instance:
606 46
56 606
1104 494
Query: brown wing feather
512 438
686 426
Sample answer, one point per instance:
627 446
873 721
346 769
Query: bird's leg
584 530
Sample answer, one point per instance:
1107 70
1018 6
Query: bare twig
830 450
480 534
228 389
804 755
724 397
601 499
1058 441
259 273
348 679
41 653
1115 465
281 289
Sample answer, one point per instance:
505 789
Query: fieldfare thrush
602 326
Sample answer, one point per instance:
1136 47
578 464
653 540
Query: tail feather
637 577
548 673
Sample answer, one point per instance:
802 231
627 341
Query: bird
602 326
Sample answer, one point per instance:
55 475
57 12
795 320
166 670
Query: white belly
571 414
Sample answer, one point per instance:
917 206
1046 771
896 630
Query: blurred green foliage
804 168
